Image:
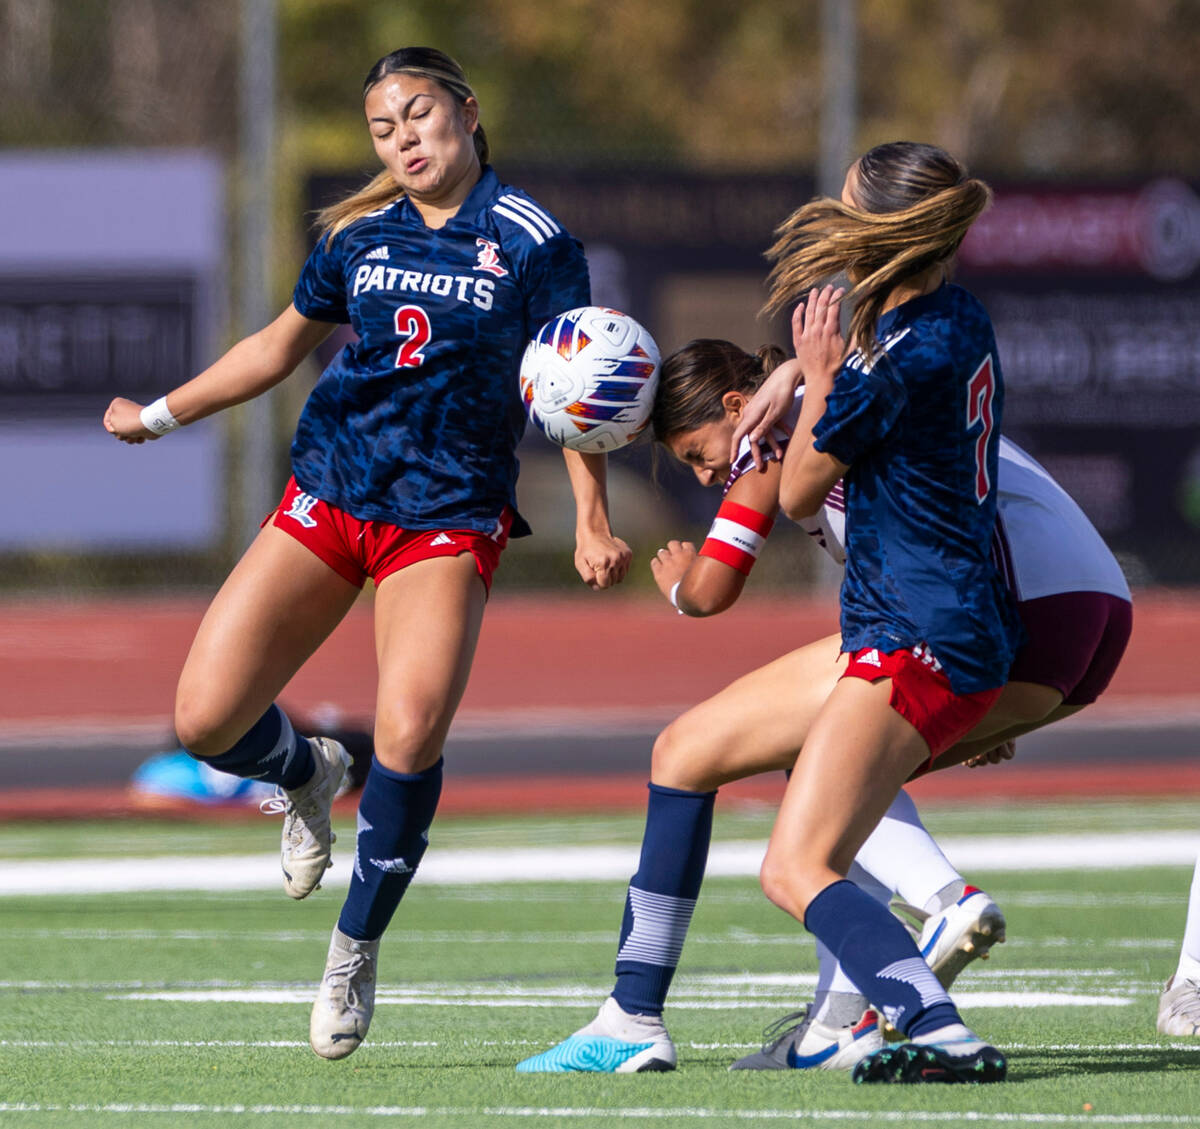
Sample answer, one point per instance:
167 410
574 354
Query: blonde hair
915 205
382 189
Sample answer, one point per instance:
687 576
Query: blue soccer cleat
615 1042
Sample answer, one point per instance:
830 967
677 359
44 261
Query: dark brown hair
915 204
693 379
425 62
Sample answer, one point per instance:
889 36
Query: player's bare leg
427 621
858 754
709 746
277 606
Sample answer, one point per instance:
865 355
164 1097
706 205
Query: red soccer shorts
921 694
357 549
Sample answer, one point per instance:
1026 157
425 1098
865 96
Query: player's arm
601 558
253 365
709 581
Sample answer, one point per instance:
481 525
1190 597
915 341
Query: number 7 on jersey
980 391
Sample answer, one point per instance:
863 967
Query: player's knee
679 761
666 757
409 738
201 731
780 886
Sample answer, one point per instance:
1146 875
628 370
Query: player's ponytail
692 380
382 189
915 203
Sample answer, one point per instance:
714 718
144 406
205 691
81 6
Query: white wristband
673 596
157 417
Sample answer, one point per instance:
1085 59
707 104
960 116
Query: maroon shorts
921 694
1074 642
357 549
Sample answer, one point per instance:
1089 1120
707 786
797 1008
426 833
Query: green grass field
191 1008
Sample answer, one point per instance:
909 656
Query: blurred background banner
111 277
161 161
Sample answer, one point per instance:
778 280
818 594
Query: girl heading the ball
404 471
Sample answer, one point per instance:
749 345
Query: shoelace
276 804
773 1033
347 970
1187 1003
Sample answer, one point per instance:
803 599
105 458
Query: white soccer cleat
1179 1008
950 939
800 1042
307 837
615 1042
345 1001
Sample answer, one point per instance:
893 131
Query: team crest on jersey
489 257
301 511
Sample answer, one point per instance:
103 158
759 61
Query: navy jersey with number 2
919 427
417 422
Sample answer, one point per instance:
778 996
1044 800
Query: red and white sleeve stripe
736 536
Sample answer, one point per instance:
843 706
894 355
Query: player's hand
124 420
670 563
601 559
1004 752
767 407
817 337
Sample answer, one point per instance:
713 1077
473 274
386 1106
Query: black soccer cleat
921 1062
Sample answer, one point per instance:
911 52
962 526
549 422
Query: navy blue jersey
417 422
919 427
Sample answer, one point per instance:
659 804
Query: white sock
837 995
1189 958
902 855
955 1038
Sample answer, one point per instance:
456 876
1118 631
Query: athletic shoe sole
909 1063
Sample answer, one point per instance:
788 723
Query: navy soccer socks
662 896
880 957
271 751
394 816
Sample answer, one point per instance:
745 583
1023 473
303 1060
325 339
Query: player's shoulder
371 226
520 220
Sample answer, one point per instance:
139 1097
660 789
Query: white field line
574 864
608 1113
500 937
402 1044
533 999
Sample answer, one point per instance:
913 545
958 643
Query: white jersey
1044 544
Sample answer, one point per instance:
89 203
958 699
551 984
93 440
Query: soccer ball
588 379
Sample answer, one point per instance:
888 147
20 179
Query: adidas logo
380 252
870 658
442 539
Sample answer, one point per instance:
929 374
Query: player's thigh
1020 704
277 606
756 724
427 621
858 754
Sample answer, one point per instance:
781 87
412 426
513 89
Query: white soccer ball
588 379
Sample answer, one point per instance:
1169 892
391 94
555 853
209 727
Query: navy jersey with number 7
919 427
417 422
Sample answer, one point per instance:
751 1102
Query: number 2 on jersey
980 392
412 323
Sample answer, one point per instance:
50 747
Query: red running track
113 664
